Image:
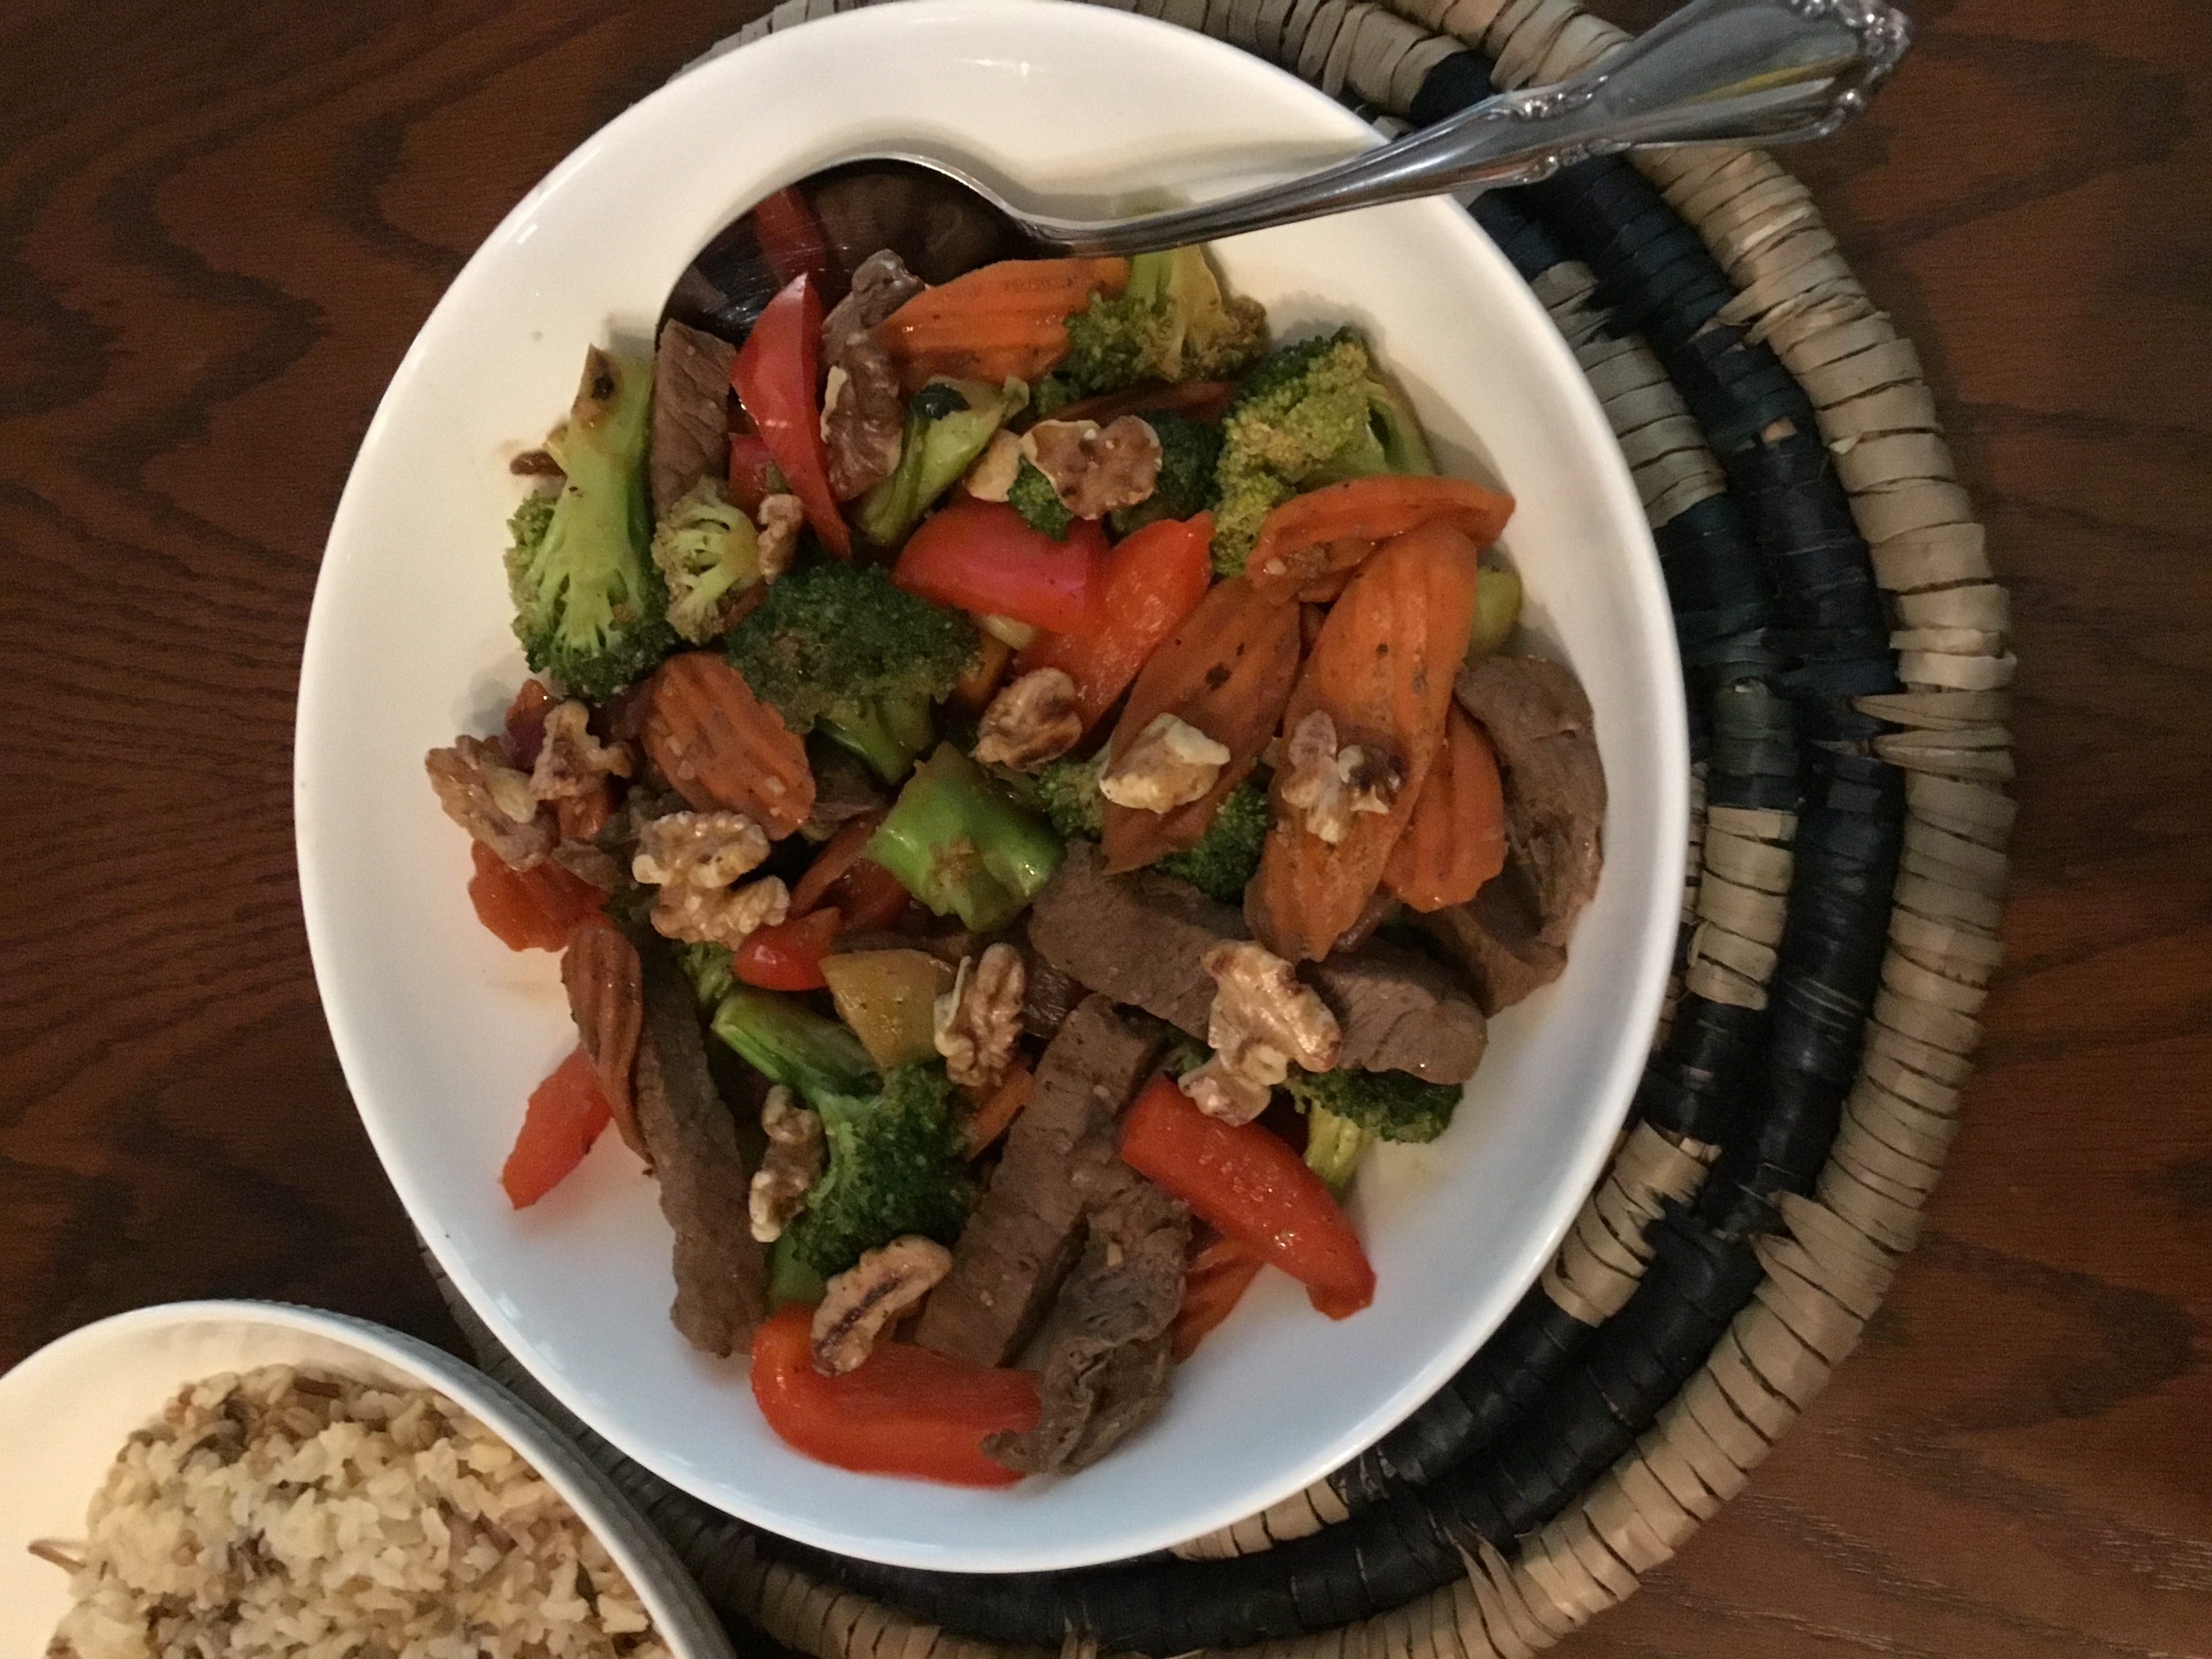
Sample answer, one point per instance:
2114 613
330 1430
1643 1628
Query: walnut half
1170 763
491 800
977 1023
693 857
1327 786
869 1295
1262 1018
796 1153
1033 720
1095 468
571 762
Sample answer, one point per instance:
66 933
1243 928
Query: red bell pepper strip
1147 584
566 1113
529 909
872 898
787 956
1253 1190
750 461
776 373
790 236
980 557
905 1411
838 855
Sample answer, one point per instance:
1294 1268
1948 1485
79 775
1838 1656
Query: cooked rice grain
287 1512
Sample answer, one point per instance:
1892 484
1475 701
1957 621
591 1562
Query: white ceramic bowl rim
414 992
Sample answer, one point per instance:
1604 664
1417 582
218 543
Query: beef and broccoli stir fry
1028 781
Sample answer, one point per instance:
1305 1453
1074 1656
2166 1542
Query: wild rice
281 1513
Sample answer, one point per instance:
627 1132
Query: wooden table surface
224 220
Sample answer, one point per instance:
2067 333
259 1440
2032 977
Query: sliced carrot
1007 319
1323 530
1213 1284
838 855
1227 669
722 748
997 1109
1456 839
1382 668
530 909
1201 400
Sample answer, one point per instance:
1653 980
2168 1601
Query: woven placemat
1845 652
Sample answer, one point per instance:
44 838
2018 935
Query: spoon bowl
1754 71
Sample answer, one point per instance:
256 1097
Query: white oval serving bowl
443 1031
66 1411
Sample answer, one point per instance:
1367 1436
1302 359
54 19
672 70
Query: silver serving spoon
1757 71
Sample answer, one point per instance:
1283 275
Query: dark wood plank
223 223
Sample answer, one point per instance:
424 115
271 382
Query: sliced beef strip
881 284
1107 1356
1028 1226
844 789
691 411
695 1148
1048 995
1137 936
1497 938
1400 1012
1538 720
602 974
866 418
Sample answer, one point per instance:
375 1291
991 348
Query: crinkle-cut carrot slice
1382 668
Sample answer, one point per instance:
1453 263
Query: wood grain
223 223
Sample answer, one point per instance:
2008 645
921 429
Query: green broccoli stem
788 1042
790 1278
961 846
1335 1146
886 732
1404 446
934 450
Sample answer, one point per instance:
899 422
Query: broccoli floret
895 1163
895 1167
1335 1146
837 646
961 846
1031 495
1189 452
1313 413
706 549
1227 856
1394 1105
589 607
948 422
1172 322
1067 789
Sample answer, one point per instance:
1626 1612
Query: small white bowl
67 1410
443 1032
